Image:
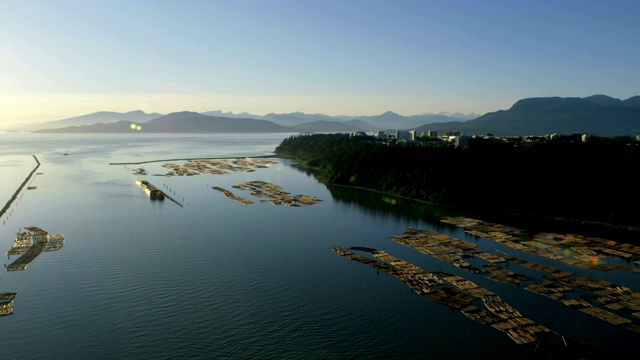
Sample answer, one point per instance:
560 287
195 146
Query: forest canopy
562 178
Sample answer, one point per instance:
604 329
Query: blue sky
67 58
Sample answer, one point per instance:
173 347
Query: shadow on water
380 204
384 205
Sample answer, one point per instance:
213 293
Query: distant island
598 115
567 177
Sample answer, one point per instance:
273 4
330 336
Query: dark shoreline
532 223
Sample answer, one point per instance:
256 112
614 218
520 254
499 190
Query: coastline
628 234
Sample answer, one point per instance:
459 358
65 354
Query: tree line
562 178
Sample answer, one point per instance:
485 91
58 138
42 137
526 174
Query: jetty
24 183
31 243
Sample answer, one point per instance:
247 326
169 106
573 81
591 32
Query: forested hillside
567 178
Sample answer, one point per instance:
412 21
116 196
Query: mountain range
595 115
292 122
136 116
599 115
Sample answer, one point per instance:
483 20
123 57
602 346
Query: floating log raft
232 196
549 289
30 244
573 249
451 297
215 166
501 316
6 303
6 307
605 315
508 277
273 192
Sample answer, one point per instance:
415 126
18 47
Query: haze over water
220 279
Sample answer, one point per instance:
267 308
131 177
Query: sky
60 59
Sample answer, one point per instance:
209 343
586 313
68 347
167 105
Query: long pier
24 183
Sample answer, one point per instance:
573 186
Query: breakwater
24 183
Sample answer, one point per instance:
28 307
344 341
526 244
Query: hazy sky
340 57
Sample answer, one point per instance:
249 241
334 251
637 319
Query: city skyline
68 58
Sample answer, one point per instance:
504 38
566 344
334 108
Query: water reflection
384 206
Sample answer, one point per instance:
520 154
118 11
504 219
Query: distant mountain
326 127
363 126
112 127
392 120
459 116
188 122
595 115
298 118
604 100
599 115
180 122
632 102
387 120
136 116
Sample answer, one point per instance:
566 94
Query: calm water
219 279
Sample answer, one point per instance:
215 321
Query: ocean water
219 279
